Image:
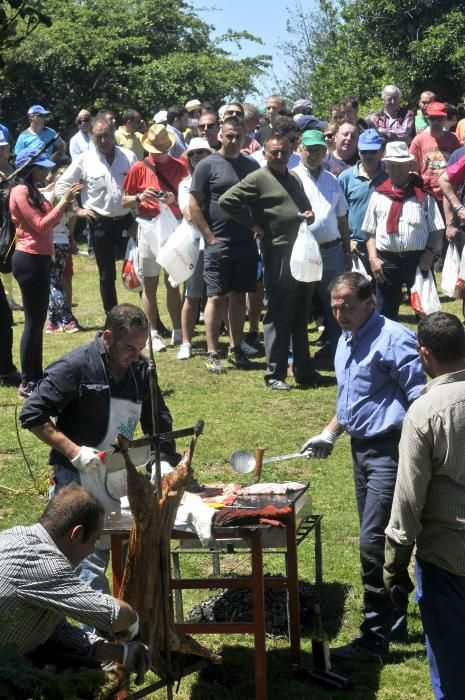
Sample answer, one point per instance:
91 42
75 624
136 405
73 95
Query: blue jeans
441 598
375 469
92 569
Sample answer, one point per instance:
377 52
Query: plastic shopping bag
306 262
153 234
130 272
450 270
460 284
180 254
358 266
424 297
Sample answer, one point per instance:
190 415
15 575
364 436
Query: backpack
7 230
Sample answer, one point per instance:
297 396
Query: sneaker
238 359
14 306
176 337
213 364
248 350
72 327
157 342
184 352
25 389
53 327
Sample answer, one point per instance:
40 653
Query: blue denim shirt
379 374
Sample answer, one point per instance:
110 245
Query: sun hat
198 144
397 152
192 105
370 140
313 137
27 153
158 139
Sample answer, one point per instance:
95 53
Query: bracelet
457 208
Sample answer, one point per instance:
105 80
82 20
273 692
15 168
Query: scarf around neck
414 188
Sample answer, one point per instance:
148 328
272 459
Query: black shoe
278 385
354 651
239 359
316 380
162 330
10 379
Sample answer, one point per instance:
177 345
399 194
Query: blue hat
370 140
38 109
3 141
307 121
26 153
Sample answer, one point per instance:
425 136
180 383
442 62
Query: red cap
436 109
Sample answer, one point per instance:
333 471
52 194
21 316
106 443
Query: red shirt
140 177
432 155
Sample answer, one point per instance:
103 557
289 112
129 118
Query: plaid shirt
429 499
398 128
38 589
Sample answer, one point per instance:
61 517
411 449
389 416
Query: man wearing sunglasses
80 142
208 128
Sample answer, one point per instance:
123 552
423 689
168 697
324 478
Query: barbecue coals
146 576
236 606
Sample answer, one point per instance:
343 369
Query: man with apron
95 392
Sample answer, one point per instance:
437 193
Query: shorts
147 242
230 267
194 287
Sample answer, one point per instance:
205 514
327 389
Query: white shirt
103 183
417 221
328 203
79 143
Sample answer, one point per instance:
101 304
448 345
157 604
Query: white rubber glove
137 658
130 632
86 460
321 445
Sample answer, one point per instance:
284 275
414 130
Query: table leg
258 597
293 590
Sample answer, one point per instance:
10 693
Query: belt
390 435
330 244
402 254
114 218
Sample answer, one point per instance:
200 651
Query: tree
128 53
415 44
18 19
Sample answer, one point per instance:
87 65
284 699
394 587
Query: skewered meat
147 572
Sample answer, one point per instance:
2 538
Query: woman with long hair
34 218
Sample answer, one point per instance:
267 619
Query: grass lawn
239 413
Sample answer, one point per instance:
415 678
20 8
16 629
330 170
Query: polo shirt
140 177
130 141
29 139
357 190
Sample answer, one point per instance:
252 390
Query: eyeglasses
202 127
278 152
84 120
234 112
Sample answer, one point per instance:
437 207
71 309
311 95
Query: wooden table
256 539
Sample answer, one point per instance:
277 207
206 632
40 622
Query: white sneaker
176 337
184 352
157 342
248 350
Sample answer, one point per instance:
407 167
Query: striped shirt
417 221
39 588
429 498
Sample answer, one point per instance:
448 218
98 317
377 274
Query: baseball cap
3 141
160 117
26 153
38 109
302 104
370 140
313 137
192 105
436 109
306 121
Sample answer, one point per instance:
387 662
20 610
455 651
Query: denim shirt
379 374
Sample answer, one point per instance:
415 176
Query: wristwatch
138 198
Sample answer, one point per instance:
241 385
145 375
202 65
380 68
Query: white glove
137 658
86 460
130 632
321 445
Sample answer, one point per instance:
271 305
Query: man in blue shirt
379 374
37 133
358 184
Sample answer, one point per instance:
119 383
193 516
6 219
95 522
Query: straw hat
158 139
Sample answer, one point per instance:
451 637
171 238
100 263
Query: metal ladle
244 462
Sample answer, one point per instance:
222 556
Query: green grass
239 413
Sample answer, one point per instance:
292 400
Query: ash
235 605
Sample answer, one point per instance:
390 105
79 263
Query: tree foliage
358 46
18 19
128 53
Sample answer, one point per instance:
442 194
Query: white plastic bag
180 254
130 273
306 262
450 271
460 284
358 266
424 297
154 234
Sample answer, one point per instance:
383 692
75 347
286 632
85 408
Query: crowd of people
382 194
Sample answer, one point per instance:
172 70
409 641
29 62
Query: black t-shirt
212 177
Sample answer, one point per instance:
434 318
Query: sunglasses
279 152
84 120
234 112
207 126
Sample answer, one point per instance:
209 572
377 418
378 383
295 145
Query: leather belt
330 244
403 254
